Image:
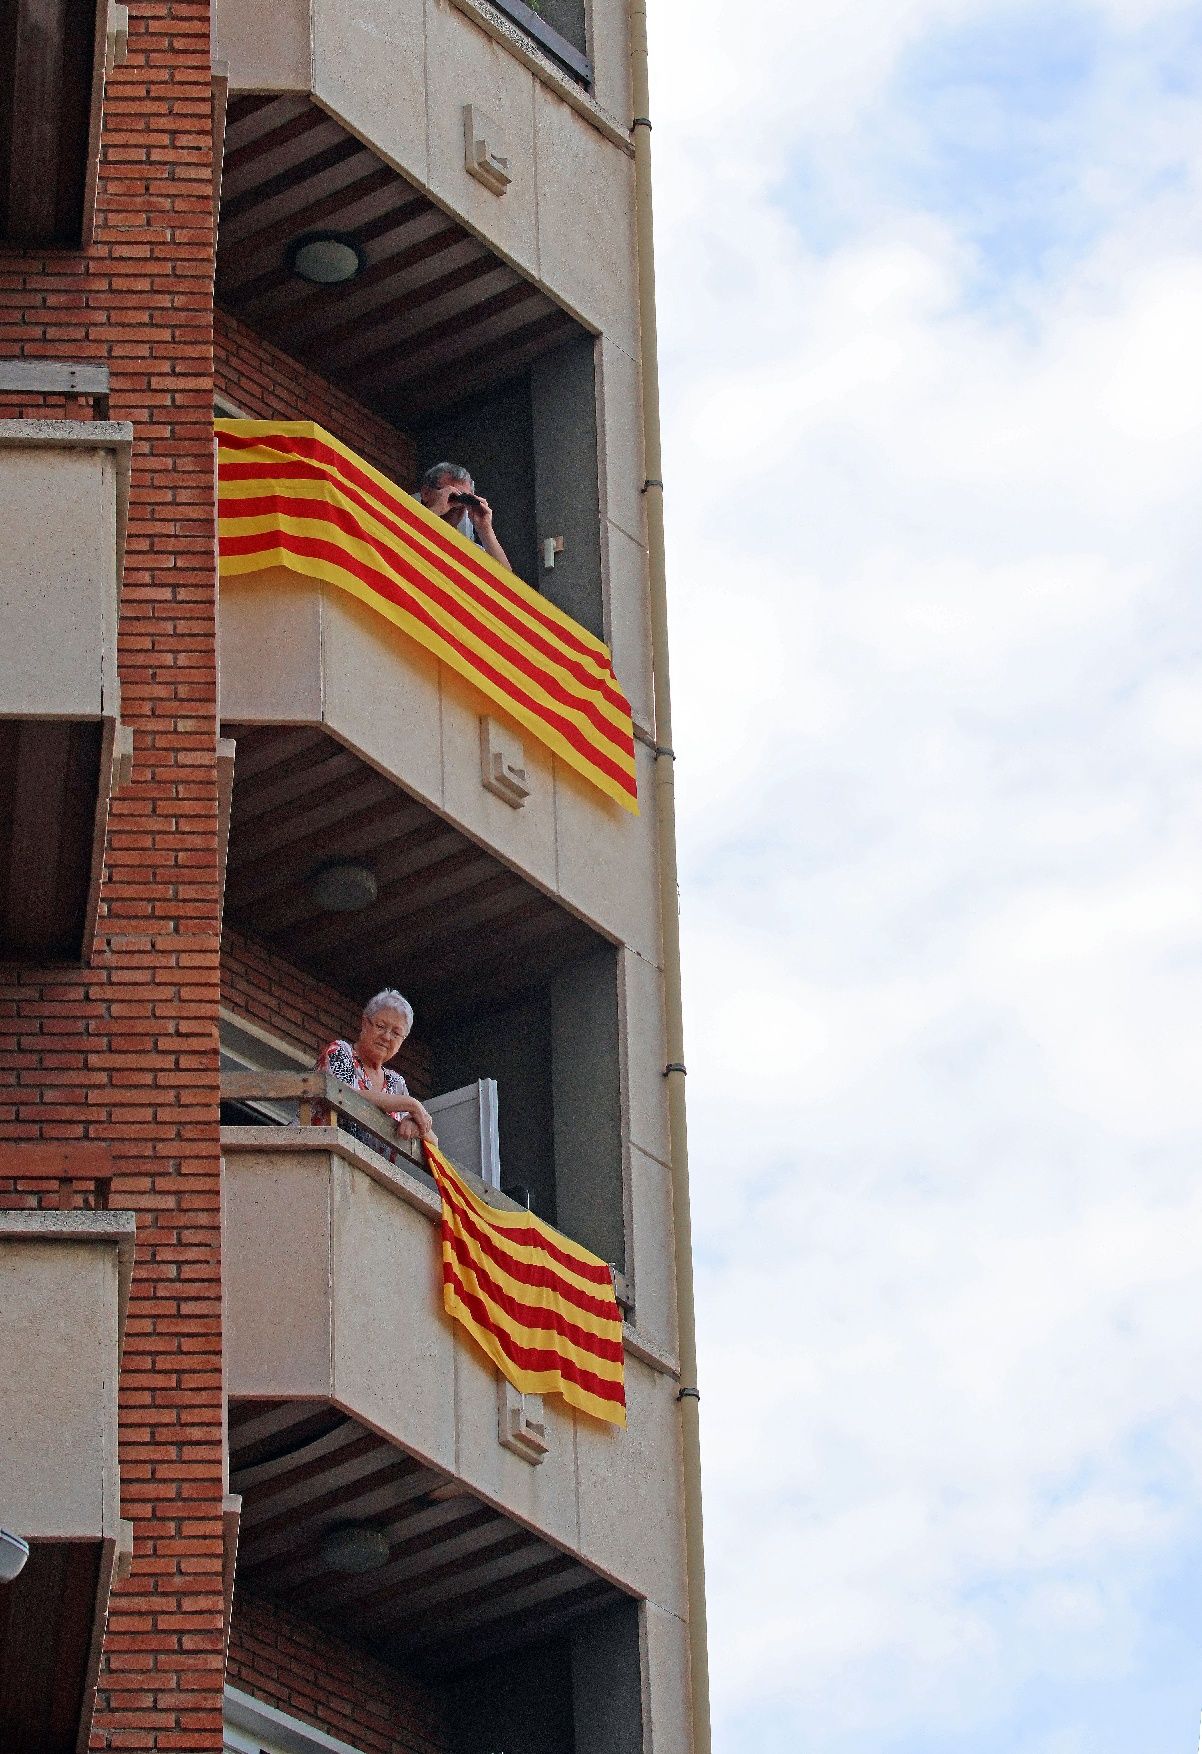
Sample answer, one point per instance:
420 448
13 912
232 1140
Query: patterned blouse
341 1061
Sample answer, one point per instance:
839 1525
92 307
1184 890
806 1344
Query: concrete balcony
66 1279
64 489
299 655
355 1401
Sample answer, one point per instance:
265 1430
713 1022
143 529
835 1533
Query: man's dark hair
434 477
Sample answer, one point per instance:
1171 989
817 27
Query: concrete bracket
485 154
123 756
520 1423
503 763
123 1558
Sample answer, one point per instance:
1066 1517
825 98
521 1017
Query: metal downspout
665 797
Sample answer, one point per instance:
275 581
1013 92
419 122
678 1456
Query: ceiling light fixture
326 258
13 1554
354 1549
343 889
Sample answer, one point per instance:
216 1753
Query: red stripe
527 1235
320 511
599 679
312 448
313 549
535 1357
542 1277
528 1315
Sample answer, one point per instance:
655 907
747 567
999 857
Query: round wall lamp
13 1553
343 889
354 1549
326 258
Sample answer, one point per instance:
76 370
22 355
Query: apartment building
273 1498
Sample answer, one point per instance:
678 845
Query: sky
930 294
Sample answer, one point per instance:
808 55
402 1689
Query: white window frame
252 1727
280 1056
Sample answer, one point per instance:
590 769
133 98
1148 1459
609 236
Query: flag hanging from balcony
538 1304
290 495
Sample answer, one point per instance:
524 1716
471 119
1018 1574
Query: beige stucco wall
62 1278
63 495
332 1287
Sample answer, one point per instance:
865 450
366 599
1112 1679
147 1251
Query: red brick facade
302 1670
267 385
123 1051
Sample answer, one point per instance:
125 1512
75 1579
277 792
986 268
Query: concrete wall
64 489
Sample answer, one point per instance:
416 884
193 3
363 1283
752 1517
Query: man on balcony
450 493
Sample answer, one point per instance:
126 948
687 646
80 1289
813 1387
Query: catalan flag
538 1304
290 495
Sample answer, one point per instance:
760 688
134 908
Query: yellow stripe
545 1339
500 1220
608 1328
531 1382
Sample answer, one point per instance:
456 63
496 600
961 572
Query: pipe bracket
675 1066
688 1394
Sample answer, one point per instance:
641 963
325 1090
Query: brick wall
123 1052
294 1666
266 384
263 987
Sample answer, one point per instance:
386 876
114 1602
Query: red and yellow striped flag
290 495
538 1304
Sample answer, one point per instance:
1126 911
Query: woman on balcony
362 1065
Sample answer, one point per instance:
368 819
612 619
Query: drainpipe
669 907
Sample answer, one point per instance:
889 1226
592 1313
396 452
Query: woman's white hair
390 1000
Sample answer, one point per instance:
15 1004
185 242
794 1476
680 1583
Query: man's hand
481 516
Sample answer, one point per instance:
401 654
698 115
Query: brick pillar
123 1052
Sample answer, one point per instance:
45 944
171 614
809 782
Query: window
254 1728
559 27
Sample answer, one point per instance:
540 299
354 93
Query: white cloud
933 519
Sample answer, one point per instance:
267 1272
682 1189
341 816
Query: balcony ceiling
451 925
47 827
463 1582
47 1624
433 316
